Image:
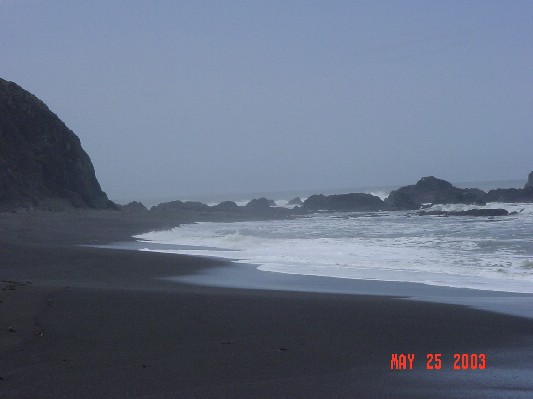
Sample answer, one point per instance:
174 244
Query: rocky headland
42 163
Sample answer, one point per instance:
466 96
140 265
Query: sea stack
41 160
435 191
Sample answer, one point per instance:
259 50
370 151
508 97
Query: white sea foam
467 252
381 194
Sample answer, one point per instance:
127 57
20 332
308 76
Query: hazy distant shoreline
289 194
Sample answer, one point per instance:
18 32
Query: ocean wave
390 246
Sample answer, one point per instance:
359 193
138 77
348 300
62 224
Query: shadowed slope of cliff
41 160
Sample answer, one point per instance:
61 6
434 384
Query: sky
181 98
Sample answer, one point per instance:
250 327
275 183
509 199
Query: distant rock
134 206
180 206
432 190
344 202
403 200
259 204
41 160
227 206
529 184
470 212
512 194
295 201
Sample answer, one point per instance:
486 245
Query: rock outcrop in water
426 190
41 160
344 202
259 204
509 195
180 206
295 201
435 191
512 194
134 206
228 206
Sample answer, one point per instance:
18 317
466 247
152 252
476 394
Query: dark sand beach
83 322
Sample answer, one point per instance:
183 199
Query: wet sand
91 322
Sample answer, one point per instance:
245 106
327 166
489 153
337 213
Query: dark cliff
41 160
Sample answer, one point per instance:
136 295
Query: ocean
483 253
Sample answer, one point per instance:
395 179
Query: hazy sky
174 98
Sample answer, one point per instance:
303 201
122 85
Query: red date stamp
434 361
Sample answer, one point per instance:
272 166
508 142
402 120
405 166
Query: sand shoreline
104 323
248 276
